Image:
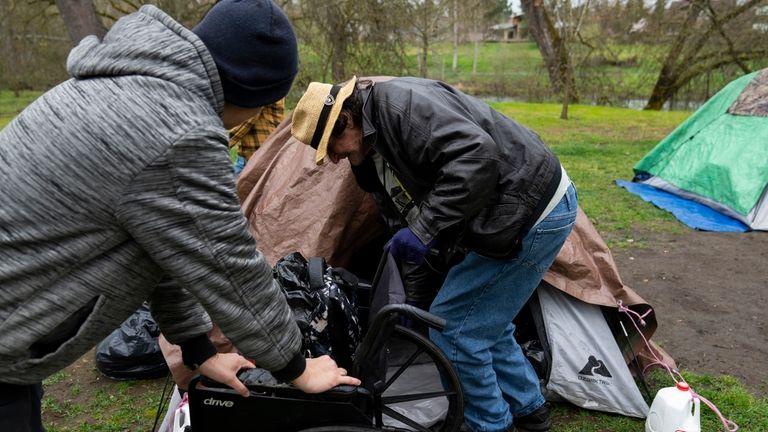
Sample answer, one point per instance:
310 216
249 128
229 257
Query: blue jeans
479 299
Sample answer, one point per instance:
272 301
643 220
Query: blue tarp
694 214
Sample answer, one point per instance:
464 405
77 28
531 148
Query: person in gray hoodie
116 187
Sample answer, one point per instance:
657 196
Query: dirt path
710 293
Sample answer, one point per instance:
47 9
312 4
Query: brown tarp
293 205
753 101
585 269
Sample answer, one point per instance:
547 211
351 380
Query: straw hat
316 114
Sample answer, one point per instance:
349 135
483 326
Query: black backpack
324 303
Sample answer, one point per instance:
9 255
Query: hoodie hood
150 43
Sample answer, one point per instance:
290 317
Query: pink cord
728 425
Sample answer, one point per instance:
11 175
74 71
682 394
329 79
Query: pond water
637 104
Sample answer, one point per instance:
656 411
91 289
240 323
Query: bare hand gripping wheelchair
407 385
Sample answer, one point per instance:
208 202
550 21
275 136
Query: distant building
515 29
639 26
761 15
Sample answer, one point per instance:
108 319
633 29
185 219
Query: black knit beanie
255 50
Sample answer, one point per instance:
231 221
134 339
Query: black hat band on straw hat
330 100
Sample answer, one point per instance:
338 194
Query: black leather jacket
471 171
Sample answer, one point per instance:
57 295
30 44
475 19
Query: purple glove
405 246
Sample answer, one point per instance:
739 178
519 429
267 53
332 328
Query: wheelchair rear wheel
420 390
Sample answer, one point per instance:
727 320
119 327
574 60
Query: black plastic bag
132 350
324 304
536 355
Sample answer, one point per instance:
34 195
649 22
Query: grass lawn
11 104
598 145
725 392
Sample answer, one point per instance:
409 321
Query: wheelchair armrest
366 357
280 389
340 392
412 312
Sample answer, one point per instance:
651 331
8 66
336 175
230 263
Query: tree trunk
538 25
564 109
426 30
664 89
687 57
424 54
338 40
566 72
455 63
566 96
80 19
553 50
665 85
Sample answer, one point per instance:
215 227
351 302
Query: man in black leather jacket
460 176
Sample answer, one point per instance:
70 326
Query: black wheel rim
410 354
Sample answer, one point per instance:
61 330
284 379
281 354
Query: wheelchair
407 385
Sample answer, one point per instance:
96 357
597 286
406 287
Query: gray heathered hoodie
114 178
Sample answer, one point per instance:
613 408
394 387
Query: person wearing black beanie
255 50
130 157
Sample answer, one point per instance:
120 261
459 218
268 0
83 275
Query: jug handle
696 409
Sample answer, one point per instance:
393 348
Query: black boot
537 421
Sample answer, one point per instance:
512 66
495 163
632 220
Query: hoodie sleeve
183 210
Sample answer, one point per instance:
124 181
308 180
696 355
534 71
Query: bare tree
709 34
93 17
425 24
381 41
455 17
33 50
338 17
556 28
571 19
553 48
80 19
468 18
350 37
328 32
187 12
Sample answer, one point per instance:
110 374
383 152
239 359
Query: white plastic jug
674 409
181 420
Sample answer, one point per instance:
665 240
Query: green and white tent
719 155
